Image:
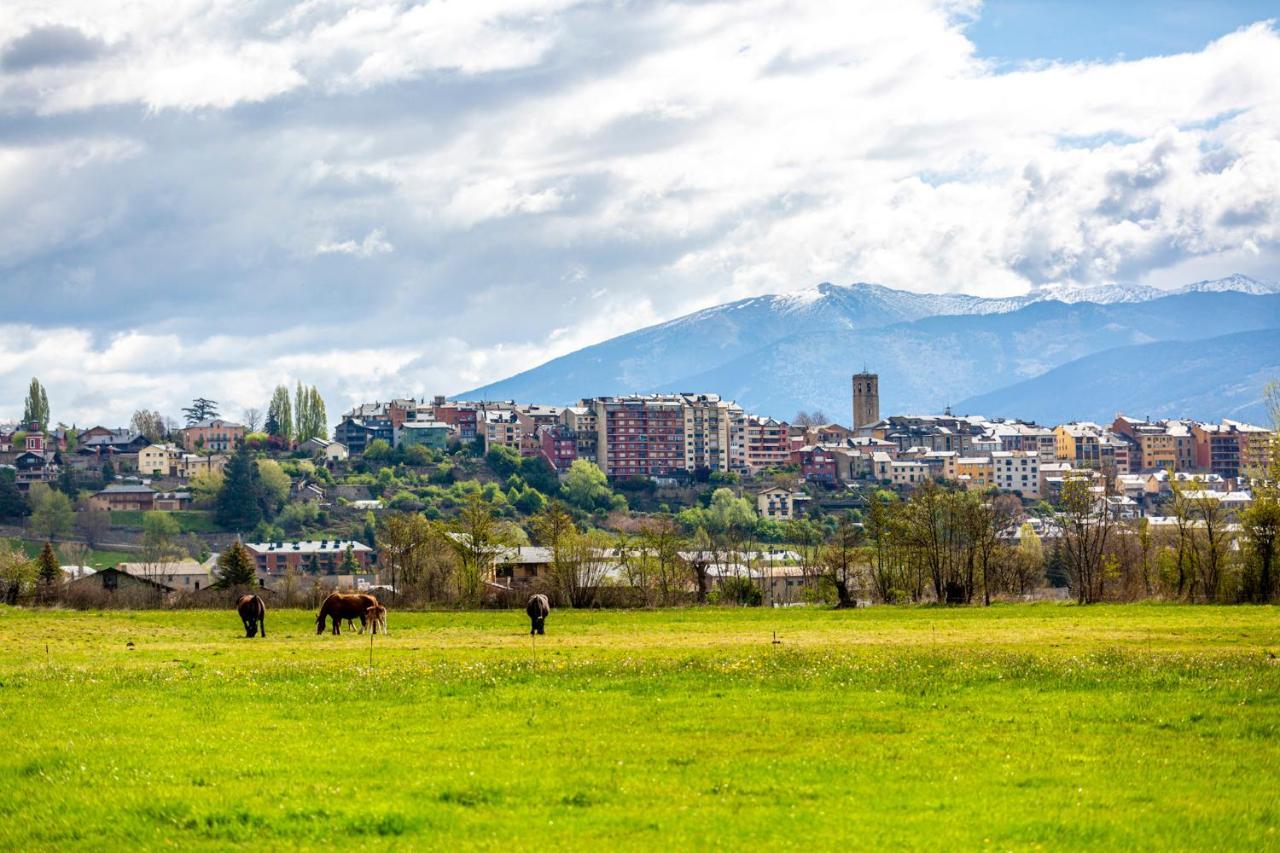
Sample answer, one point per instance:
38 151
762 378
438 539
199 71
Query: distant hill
1212 378
778 354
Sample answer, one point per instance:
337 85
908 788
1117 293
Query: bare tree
1086 529
476 540
150 424
251 418
661 543
841 560
93 524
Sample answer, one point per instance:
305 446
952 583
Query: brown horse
253 613
376 616
342 605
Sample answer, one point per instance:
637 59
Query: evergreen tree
239 503
350 565
200 409
235 567
108 471
67 483
49 571
13 504
36 407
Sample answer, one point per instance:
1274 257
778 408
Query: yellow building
975 472
159 460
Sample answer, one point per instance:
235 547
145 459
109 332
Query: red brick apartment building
639 436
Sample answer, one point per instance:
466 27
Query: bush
740 591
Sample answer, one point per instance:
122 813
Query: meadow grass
1052 726
98 559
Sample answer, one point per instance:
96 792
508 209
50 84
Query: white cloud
190 165
374 243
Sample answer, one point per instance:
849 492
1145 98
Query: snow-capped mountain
780 353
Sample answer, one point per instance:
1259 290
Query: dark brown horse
343 605
253 613
538 608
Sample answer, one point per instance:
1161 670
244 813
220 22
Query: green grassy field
1049 726
189 520
97 559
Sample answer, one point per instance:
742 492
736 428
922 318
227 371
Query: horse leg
262 626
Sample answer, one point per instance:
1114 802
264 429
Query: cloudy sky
207 198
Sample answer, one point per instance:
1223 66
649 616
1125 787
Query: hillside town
153 503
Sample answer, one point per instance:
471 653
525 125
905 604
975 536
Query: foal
376 617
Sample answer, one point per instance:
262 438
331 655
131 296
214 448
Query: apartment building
1079 443
502 428
462 418
715 433
1157 447
1017 471
558 445
323 557
581 421
640 436
899 472
767 443
974 472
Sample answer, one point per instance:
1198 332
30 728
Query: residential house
817 464
214 434
172 501
898 472
195 464
38 461
431 434
111 443
364 425
780 504
160 460
125 497
114 581
558 445
331 452
177 576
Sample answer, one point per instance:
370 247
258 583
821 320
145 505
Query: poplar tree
36 408
280 414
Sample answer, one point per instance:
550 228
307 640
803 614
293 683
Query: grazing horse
376 616
538 608
253 613
342 605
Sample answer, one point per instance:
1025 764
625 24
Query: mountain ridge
830 330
